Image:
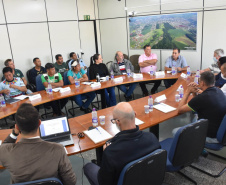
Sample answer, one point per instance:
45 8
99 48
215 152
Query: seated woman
80 74
96 66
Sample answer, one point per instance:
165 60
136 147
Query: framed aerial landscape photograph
165 31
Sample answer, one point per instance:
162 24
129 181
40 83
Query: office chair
30 86
147 170
221 137
134 60
47 181
185 147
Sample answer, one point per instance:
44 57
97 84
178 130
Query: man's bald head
125 114
119 56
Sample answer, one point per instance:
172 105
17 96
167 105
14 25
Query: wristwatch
13 132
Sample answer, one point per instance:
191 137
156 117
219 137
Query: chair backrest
188 143
66 81
125 56
87 73
147 170
28 75
134 60
47 181
221 133
39 84
108 64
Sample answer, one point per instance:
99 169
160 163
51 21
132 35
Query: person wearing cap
176 60
77 72
56 80
214 67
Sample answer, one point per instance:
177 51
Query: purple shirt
147 69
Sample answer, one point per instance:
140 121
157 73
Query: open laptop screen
55 126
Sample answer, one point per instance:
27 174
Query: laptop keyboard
60 139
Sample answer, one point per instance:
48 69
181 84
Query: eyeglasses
114 120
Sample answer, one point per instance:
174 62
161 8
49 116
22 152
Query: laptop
56 130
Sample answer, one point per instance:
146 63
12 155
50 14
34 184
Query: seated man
146 61
56 81
31 158
79 73
210 104
220 79
73 57
223 71
119 67
38 69
60 65
178 62
12 86
218 53
128 145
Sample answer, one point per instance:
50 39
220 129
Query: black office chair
147 170
221 137
134 60
30 86
47 181
185 147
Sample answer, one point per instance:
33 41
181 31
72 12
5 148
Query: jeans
110 96
89 96
169 82
91 171
128 92
57 105
157 83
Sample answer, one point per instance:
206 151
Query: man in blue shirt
73 57
176 60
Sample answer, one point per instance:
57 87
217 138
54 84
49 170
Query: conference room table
151 120
45 98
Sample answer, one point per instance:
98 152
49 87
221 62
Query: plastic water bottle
77 83
128 72
173 70
196 79
181 92
188 71
198 74
94 117
49 89
98 77
152 71
112 74
2 101
150 103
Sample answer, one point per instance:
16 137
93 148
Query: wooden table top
82 123
12 108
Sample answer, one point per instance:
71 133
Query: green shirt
60 68
52 79
18 73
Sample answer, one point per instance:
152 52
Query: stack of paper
164 107
119 79
160 98
98 134
138 121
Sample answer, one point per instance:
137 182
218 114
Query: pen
98 130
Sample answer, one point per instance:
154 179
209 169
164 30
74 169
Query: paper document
138 121
160 98
65 150
160 73
137 75
169 72
0 142
164 107
183 75
21 97
98 134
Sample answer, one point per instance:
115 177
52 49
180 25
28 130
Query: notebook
56 130
98 134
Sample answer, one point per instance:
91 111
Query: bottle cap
150 96
94 109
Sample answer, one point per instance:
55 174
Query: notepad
164 107
98 135
138 121
21 97
160 98
160 73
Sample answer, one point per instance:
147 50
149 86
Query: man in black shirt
210 104
126 146
38 69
